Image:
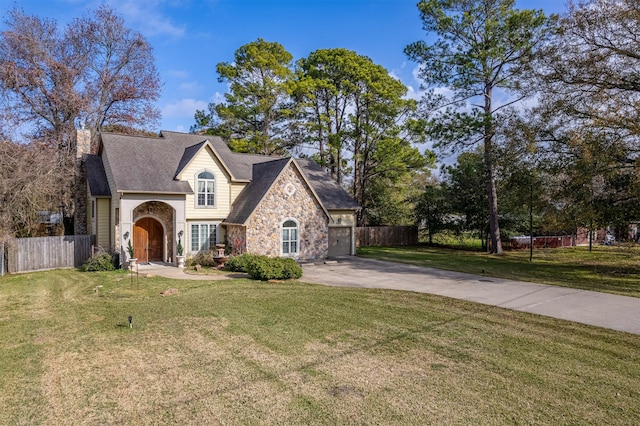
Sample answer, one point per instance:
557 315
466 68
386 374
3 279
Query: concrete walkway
169 271
620 313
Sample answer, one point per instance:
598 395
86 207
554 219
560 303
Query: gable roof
191 152
331 195
143 164
96 177
151 165
265 174
238 165
188 155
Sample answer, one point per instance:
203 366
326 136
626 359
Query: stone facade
288 198
83 147
237 239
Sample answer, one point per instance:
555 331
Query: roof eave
217 155
137 191
232 223
313 191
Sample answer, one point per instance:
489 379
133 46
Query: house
192 189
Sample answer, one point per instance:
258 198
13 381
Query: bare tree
120 82
39 78
29 185
95 72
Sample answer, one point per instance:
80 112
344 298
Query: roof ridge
130 136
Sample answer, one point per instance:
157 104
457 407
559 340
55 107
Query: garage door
340 241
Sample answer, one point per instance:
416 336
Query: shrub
203 258
99 262
290 269
262 268
272 268
239 263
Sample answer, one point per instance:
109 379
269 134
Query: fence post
2 260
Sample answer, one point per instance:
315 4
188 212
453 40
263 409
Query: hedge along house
155 191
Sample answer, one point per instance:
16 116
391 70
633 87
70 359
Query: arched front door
147 240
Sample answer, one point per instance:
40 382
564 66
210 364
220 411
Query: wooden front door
147 240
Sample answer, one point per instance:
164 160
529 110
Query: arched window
205 182
289 238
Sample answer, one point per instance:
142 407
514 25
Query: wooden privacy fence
386 236
38 253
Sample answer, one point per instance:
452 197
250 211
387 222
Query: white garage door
340 241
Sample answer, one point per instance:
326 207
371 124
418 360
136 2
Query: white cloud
393 74
416 73
217 98
181 74
183 108
444 91
190 86
412 93
149 18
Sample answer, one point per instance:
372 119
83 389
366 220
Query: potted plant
132 260
180 250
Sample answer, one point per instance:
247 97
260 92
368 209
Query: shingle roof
144 164
187 156
97 178
150 164
331 195
264 174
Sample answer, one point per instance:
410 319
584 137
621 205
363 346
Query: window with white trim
205 184
204 236
289 238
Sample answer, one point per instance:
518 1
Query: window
205 182
289 237
203 236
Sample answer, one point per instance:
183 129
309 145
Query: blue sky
190 37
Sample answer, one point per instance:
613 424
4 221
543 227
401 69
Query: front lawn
243 352
607 269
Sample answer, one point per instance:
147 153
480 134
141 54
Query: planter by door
147 240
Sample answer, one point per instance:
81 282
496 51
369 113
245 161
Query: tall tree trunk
494 227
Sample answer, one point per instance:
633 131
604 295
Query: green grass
466 240
605 269
242 352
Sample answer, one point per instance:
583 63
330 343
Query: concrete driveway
588 307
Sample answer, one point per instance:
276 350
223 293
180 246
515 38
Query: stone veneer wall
163 213
263 229
236 239
82 147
